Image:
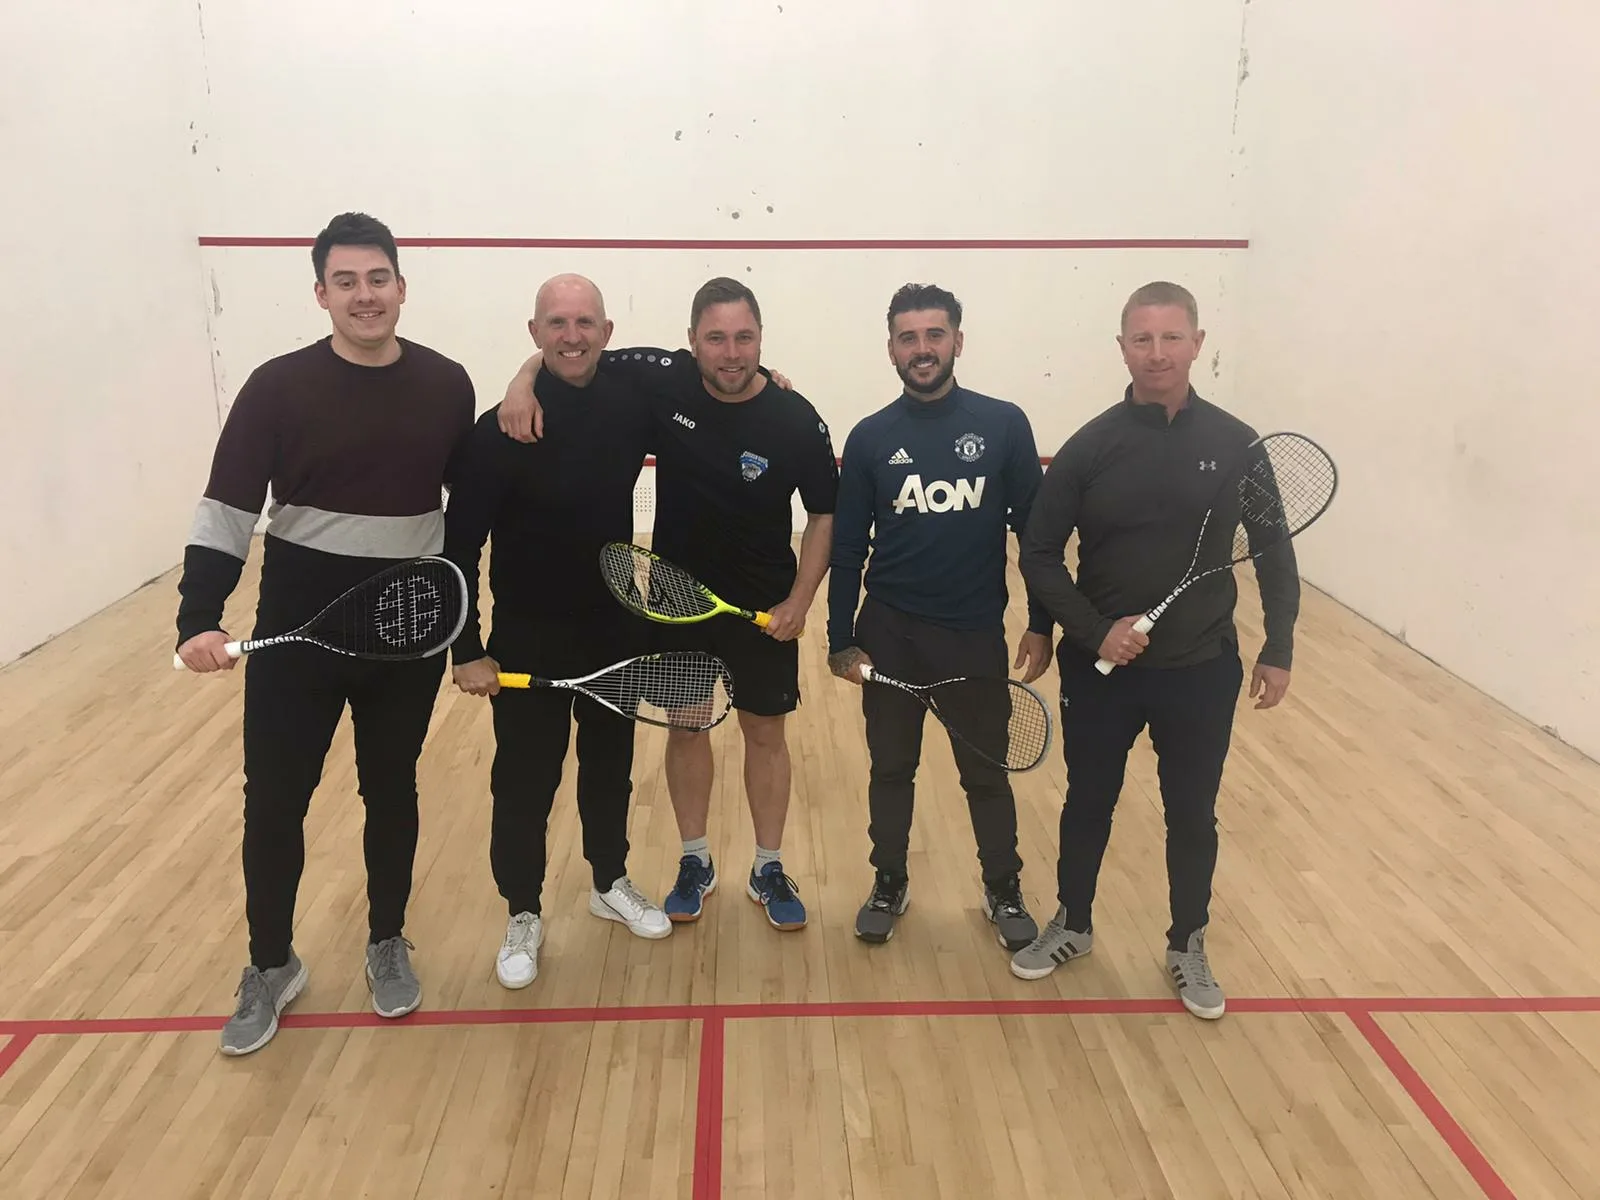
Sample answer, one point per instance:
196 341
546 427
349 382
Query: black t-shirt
549 505
726 474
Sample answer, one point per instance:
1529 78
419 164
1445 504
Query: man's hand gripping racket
1285 483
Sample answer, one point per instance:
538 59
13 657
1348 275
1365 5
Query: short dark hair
915 297
1162 294
721 290
353 229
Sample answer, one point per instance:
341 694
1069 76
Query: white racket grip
178 664
1142 625
866 674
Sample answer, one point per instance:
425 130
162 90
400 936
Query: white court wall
106 398
724 120
1423 190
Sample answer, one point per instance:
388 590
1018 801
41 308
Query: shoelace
1195 969
779 884
252 989
690 871
884 894
632 894
520 932
1054 931
1008 901
388 964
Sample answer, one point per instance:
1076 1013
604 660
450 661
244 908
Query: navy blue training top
931 486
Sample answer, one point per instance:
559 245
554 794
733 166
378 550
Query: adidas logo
900 458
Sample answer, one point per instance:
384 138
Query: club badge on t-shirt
751 466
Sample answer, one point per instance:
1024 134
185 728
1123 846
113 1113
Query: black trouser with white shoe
919 652
1189 712
532 728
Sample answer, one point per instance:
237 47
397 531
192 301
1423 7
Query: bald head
569 325
569 288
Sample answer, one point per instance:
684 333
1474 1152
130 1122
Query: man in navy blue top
932 481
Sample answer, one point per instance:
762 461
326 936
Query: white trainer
626 904
518 962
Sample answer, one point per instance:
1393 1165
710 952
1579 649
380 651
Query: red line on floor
12 1050
514 243
708 1112
1433 1108
1044 1006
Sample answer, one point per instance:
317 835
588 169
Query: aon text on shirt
940 495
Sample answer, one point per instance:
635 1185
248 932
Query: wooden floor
1407 922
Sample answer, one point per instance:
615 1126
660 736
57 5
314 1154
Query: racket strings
687 689
1002 719
408 610
650 585
1286 485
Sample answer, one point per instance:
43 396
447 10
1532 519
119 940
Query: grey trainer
394 986
875 921
263 995
1055 945
1014 925
1191 974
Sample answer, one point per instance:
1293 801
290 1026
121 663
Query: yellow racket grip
763 619
510 679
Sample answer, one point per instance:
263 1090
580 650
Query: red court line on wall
510 243
1433 1108
708 1112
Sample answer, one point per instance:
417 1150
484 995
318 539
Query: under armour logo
1208 466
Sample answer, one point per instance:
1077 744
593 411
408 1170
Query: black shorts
765 671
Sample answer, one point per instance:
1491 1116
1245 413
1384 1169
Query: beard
940 376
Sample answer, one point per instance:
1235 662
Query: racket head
674 689
411 610
1001 720
1286 483
648 585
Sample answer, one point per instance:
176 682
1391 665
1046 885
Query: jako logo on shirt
940 495
683 420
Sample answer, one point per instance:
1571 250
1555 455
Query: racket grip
1142 625
512 679
866 674
178 665
763 619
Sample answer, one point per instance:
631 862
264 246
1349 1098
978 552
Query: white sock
763 857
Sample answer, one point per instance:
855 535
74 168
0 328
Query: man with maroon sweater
357 435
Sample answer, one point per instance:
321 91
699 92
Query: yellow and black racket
680 689
658 590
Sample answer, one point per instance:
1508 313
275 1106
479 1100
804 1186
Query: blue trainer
696 880
774 891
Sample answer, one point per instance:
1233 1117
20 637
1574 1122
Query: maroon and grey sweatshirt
357 458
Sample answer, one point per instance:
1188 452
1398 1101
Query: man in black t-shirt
732 450
549 507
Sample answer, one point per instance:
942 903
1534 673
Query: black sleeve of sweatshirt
480 489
